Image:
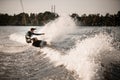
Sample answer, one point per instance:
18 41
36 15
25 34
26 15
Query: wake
87 57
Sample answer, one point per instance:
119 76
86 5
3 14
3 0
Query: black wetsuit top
29 33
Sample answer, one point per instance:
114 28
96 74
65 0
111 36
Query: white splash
85 57
57 30
18 38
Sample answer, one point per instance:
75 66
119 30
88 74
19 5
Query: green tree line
40 19
97 19
25 19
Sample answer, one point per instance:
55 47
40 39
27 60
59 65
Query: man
30 33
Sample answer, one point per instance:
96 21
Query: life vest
28 37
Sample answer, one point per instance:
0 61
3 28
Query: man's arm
38 33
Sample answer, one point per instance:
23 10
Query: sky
62 6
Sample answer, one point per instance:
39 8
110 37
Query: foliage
97 19
24 19
40 19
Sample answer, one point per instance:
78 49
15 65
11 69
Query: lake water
80 53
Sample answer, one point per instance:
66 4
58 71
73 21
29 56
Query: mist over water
84 51
87 56
55 31
18 37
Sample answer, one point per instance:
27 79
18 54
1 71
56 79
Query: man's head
32 29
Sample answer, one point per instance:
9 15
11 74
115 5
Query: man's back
28 36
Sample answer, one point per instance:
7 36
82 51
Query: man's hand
43 33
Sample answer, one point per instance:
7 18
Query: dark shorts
39 43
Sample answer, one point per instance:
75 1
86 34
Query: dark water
29 65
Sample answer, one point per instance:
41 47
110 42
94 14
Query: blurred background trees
40 19
24 19
97 19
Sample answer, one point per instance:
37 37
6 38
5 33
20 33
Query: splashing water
18 38
57 30
86 57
